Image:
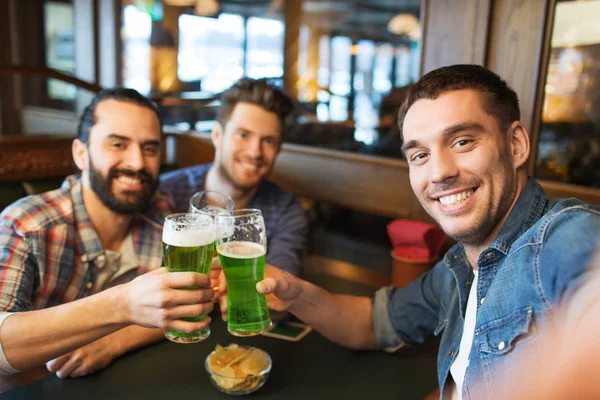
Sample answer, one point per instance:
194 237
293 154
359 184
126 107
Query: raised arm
151 300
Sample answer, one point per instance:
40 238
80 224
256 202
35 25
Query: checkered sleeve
286 246
16 269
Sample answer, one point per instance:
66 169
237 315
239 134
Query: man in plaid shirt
73 288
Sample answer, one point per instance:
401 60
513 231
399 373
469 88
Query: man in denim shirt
519 258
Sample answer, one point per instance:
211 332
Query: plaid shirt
285 220
50 252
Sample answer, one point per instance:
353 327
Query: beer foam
188 237
241 249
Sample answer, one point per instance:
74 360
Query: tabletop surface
313 368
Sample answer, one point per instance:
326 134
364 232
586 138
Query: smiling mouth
456 198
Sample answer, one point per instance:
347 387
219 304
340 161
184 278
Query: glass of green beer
242 249
188 242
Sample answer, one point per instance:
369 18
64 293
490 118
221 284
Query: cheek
418 180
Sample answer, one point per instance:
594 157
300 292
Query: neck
216 181
111 228
474 250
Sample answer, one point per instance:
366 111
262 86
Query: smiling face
464 170
246 149
121 160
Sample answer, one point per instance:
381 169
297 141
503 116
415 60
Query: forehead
125 119
448 109
254 118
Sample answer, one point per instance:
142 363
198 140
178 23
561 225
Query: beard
136 201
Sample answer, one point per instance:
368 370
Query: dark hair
88 118
499 100
260 92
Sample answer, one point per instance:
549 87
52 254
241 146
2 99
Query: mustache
142 175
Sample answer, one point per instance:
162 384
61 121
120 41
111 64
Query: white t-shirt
461 362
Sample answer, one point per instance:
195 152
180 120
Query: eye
243 135
116 144
271 141
150 150
418 158
462 143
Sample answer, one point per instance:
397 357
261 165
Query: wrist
119 300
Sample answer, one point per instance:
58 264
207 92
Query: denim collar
528 209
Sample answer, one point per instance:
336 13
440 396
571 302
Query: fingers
178 280
267 286
187 310
68 367
188 327
176 297
54 365
223 306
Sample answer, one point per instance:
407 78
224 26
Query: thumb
266 286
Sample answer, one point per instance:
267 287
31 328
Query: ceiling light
405 24
206 7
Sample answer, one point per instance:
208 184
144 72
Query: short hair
260 92
88 118
498 99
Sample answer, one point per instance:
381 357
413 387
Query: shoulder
274 194
569 218
38 212
183 175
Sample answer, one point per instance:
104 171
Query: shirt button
501 346
488 255
451 352
482 300
90 285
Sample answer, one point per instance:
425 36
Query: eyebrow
449 131
127 139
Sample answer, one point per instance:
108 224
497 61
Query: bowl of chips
238 369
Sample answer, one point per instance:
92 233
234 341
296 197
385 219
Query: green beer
188 245
244 266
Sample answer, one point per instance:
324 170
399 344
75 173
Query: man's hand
281 288
83 361
281 283
154 300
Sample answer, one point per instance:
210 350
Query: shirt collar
528 209
89 243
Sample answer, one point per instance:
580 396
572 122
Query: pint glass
188 241
242 248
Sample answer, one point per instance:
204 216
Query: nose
135 158
255 148
443 167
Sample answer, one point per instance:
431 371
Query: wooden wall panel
515 48
455 32
365 183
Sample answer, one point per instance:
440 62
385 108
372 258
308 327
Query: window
569 141
265 48
60 47
212 50
137 26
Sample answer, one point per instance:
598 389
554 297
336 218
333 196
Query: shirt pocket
499 336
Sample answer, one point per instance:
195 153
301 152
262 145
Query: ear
519 144
80 154
216 135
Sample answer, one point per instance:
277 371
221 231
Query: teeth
129 181
455 198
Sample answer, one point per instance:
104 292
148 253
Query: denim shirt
531 269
